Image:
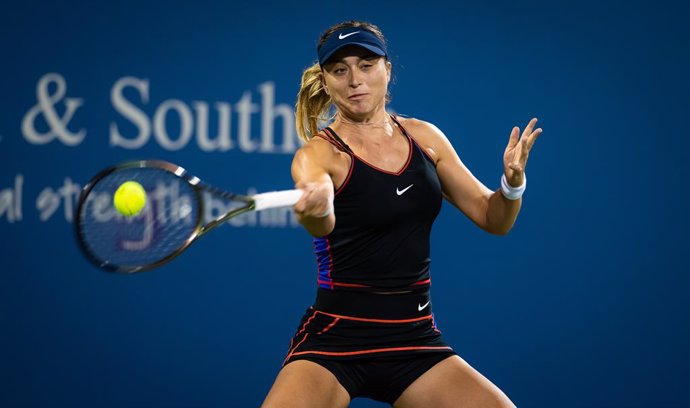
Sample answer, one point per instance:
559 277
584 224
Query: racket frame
198 187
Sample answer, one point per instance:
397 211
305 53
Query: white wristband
510 192
328 211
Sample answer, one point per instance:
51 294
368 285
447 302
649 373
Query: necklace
381 124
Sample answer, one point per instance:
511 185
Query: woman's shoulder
320 149
320 144
410 122
426 134
419 128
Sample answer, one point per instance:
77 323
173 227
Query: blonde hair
313 103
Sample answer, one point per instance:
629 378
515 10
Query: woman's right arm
309 171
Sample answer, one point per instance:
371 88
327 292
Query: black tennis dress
371 324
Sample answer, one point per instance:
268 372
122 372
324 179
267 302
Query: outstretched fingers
528 128
513 140
519 146
529 136
532 138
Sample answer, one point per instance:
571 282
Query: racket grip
276 199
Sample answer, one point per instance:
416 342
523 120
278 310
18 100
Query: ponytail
313 103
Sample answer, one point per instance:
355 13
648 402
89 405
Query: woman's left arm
490 210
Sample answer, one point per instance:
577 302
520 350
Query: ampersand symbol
46 107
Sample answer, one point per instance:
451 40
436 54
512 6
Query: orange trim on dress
410 145
364 319
329 326
359 352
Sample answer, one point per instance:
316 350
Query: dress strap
400 126
337 141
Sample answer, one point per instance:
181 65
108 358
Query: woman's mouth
357 97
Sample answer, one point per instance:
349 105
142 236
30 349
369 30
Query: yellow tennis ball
129 198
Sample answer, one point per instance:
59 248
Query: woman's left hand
517 151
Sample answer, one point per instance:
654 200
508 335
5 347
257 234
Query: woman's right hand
317 200
314 209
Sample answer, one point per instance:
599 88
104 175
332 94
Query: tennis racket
170 221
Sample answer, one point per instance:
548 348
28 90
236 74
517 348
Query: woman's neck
380 119
357 132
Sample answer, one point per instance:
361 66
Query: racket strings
164 226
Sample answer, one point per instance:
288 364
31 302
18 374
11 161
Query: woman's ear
323 83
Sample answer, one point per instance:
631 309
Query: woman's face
357 81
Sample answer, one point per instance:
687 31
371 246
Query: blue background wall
584 304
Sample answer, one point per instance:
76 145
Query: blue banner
584 303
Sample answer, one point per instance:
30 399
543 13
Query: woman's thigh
304 384
453 383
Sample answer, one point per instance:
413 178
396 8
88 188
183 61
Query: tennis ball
129 198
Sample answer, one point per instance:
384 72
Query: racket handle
276 199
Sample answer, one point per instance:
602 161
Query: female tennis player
373 186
